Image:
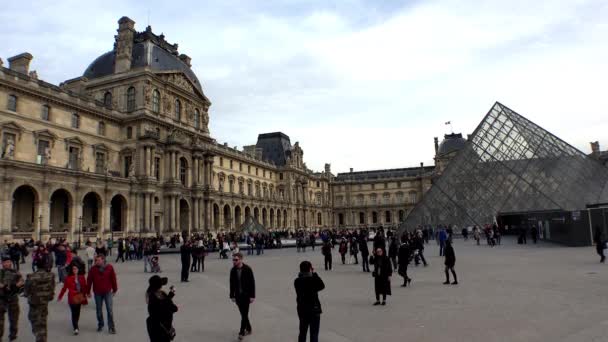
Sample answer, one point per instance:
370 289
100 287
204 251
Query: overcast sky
361 84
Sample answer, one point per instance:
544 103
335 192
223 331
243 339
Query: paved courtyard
509 293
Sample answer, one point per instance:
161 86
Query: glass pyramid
510 165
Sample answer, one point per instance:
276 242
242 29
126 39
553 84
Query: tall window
42 146
129 132
248 168
128 162
178 110
101 128
100 162
231 185
157 168
74 158
231 164
221 162
75 120
12 103
131 99
155 101
107 100
197 119
183 165
45 112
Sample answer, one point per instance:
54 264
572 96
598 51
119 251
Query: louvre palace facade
126 149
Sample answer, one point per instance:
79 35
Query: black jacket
450 257
405 255
307 287
185 253
247 283
363 247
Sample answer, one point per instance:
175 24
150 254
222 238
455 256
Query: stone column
206 217
195 171
173 218
195 214
105 221
178 213
147 212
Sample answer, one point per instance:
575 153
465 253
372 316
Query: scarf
77 284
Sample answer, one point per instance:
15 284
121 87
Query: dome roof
451 143
149 50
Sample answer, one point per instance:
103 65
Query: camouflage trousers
38 317
12 307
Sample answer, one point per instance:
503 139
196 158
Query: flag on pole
448 123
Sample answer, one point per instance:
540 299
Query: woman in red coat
75 284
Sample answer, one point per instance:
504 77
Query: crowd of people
95 277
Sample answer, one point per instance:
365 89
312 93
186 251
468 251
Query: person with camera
75 285
382 275
11 283
160 310
307 285
242 291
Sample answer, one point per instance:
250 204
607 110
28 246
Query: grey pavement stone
508 293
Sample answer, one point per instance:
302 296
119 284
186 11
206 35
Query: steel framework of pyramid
510 165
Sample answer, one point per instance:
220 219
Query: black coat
405 255
450 257
247 283
185 253
160 309
382 272
363 247
307 287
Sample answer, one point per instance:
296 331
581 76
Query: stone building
378 198
125 149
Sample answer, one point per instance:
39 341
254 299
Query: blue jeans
99 299
146 262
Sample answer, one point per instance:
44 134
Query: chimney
436 145
186 59
124 45
351 170
595 148
327 167
20 63
469 136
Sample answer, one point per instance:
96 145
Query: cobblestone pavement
509 293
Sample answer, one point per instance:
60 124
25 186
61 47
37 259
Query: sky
360 84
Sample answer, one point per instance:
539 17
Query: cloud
359 84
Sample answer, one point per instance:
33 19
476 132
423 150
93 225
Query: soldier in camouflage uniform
39 290
11 283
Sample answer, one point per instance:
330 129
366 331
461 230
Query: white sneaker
75 331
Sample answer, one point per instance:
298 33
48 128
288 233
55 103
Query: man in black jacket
185 251
242 291
364 252
307 285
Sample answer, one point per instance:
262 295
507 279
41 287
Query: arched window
131 99
101 128
183 166
45 113
12 103
107 99
156 101
197 119
178 110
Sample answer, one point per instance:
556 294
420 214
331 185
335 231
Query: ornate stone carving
47 155
1 63
147 93
34 74
189 111
167 103
177 136
180 81
9 149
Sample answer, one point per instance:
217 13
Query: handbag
78 298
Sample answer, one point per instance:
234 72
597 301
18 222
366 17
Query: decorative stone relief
180 81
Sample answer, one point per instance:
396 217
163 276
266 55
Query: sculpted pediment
179 80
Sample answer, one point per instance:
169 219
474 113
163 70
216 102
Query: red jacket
102 283
69 285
